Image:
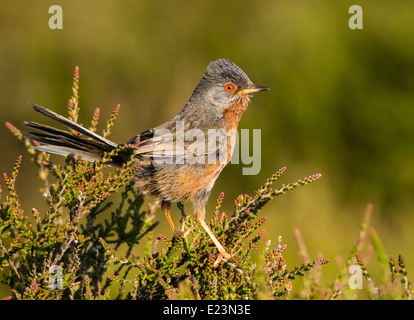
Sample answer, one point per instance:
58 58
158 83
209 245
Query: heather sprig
111 121
399 271
95 119
74 100
277 273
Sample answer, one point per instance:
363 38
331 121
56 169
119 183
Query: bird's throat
234 112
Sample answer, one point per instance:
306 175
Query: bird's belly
189 182
180 182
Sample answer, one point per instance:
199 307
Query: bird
173 167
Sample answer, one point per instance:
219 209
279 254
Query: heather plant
83 245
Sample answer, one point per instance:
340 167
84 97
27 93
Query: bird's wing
168 143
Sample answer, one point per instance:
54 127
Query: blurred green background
341 101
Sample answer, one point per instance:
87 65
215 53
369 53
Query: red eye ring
230 87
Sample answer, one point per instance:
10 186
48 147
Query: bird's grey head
224 83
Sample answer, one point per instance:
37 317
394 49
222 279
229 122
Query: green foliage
70 237
73 250
392 284
185 268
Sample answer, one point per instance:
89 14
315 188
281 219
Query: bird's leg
181 207
183 218
199 212
165 207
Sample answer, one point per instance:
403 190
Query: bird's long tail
89 145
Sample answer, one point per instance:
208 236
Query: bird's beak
252 89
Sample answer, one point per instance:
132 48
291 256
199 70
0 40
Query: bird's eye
230 87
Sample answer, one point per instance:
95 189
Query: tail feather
72 125
90 145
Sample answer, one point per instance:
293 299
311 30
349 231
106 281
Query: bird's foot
182 232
